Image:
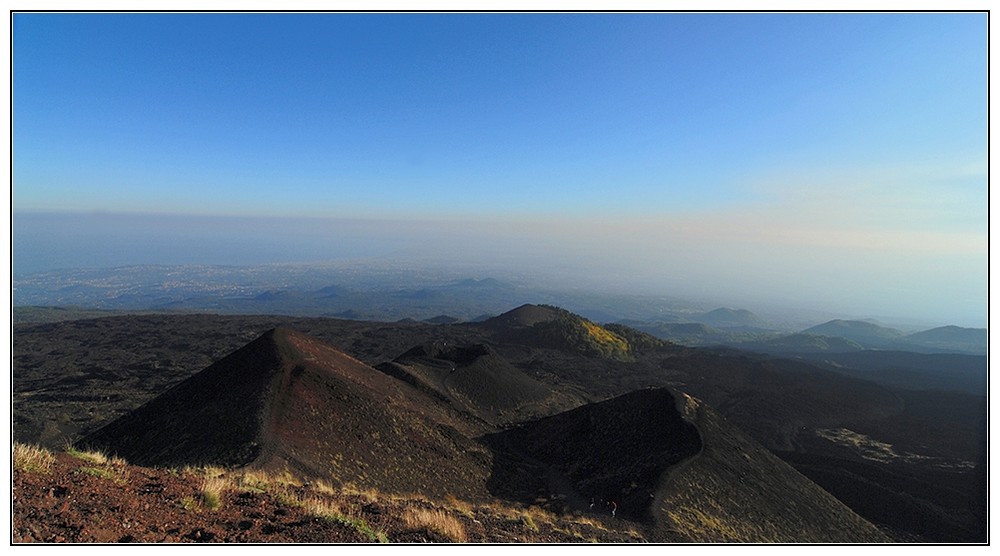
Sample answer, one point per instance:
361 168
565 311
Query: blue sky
852 145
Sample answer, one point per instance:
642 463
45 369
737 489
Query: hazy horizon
827 161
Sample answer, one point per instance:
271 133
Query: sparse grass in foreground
698 524
93 456
32 459
460 506
331 511
254 480
116 474
326 509
368 494
437 521
532 515
212 489
589 522
324 487
365 529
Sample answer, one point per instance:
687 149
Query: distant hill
484 283
524 316
442 319
556 328
731 318
953 338
865 333
803 343
700 334
332 291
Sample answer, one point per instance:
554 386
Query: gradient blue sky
833 159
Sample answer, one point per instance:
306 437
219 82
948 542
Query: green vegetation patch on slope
575 333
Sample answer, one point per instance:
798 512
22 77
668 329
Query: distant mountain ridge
873 336
732 318
857 330
957 338
743 330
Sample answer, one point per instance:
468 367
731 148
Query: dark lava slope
287 401
476 380
611 451
673 465
70 378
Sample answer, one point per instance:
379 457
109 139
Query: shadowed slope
737 491
682 471
214 416
287 401
478 381
614 450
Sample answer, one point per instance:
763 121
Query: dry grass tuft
212 471
332 511
116 474
534 515
32 459
321 507
705 526
253 479
437 521
460 506
93 456
589 522
323 487
285 496
286 478
369 494
212 489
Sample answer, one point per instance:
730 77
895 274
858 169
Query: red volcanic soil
71 503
